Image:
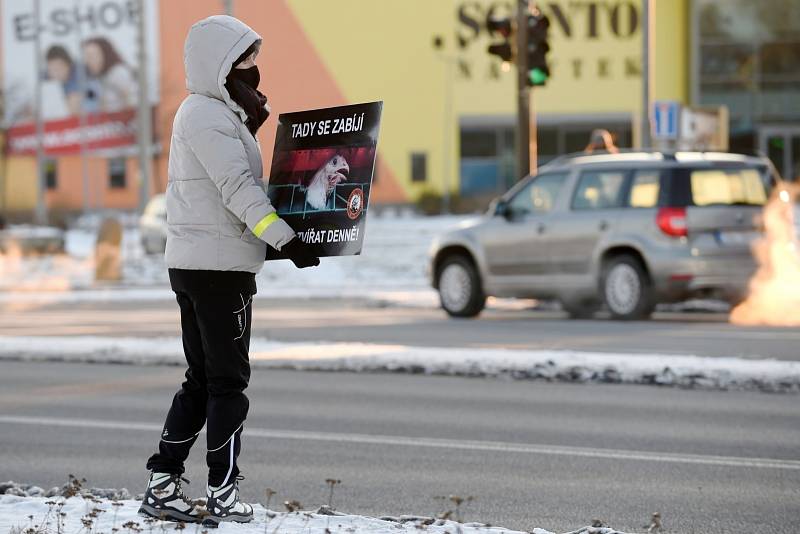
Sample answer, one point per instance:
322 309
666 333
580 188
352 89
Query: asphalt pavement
532 454
355 320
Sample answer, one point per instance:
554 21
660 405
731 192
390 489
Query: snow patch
104 515
394 259
551 365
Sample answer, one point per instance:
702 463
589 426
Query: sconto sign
590 39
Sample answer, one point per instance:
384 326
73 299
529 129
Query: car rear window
727 187
719 186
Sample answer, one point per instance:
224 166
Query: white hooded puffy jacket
218 213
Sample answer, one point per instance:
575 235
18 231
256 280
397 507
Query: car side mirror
501 208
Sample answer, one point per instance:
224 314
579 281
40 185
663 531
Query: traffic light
538 71
501 26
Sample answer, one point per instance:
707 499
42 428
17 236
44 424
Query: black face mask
242 85
249 76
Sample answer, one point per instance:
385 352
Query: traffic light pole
524 118
533 148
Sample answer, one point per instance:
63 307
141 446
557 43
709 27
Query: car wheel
460 291
626 289
582 309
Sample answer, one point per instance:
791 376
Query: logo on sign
355 203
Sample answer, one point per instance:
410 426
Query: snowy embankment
551 365
392 263
86 512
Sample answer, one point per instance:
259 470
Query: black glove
300 253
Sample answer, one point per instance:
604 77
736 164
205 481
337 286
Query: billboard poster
321 175
88 72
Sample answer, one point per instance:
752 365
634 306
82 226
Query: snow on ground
99 515
392 264
553 365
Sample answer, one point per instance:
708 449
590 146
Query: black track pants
216 340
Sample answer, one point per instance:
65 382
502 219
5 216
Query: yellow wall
672 50
383 50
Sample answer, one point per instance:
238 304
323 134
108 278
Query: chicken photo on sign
320 191
321 175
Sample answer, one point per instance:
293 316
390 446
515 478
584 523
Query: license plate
737 238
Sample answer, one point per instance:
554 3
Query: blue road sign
665 119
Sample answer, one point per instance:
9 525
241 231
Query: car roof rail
666 154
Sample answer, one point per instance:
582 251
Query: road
532 454
356 320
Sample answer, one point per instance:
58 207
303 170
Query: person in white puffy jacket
219 222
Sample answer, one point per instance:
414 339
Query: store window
488 164
747 57
117 173
558 139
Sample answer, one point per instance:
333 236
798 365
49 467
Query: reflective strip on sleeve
264 223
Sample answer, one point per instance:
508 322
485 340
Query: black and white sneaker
223 504
164 499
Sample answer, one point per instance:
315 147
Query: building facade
449 107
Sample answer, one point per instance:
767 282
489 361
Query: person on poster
220 221
109 76
61 68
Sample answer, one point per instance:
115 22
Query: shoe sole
213 522
166 515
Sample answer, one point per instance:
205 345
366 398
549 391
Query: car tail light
672 221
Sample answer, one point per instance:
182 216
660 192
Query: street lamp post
145 135
40 215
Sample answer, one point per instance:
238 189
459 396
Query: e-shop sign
88 77
321 175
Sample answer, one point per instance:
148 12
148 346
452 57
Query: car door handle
540 228
603 226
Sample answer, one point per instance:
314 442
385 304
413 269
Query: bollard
107 261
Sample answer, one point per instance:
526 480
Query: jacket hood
211 47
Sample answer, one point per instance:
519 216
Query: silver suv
626 230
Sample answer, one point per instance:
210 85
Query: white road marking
439 443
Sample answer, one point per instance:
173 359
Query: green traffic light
537 76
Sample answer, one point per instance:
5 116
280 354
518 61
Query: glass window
645 188
419 166
547 142
576 140
538 196
478 143
50 174
599 190
116 173
748 57
728 187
